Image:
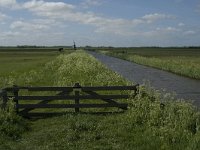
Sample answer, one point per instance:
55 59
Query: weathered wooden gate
24 103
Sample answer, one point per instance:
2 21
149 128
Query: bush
176 123
11 124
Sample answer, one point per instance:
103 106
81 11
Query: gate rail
76 93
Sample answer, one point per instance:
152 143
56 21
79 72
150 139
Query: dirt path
184 87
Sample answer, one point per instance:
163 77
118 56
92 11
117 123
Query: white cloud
6 3
54 15
49 22
20 25
154 17
64 12
172 29
9 34
181 24
88 3
3 16
128 27
67 12
189 32
42 7
161 32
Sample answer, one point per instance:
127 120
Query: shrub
11 124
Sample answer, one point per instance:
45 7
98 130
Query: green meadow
15 60
147 124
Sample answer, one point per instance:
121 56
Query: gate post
77 94
16 94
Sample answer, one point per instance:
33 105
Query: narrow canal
185 88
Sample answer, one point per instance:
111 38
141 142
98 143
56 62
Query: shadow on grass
35 116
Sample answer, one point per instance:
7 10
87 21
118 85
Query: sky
116 23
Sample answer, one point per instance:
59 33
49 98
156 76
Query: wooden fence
76 93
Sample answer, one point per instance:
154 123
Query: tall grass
11 125
147 124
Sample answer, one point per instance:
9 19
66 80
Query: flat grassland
182 61
145 125
20 60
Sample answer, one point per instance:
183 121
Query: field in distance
18 59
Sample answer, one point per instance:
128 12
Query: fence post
16 94
77 93
5 98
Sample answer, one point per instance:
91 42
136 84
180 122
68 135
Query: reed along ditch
184 88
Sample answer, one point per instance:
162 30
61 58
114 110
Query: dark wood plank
64 93
59 97
95 88
102 88
50 88
42 88
106 100
77 100
1 93
71 105
44 101
68 97
16 94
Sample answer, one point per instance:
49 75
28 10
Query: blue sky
100 22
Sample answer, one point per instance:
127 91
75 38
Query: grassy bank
184 62
145 125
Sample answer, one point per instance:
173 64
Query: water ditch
185 88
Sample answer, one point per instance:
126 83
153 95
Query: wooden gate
24 103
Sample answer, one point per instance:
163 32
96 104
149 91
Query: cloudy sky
100 22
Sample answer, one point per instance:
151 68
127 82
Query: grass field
145 125
15 60
182 61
